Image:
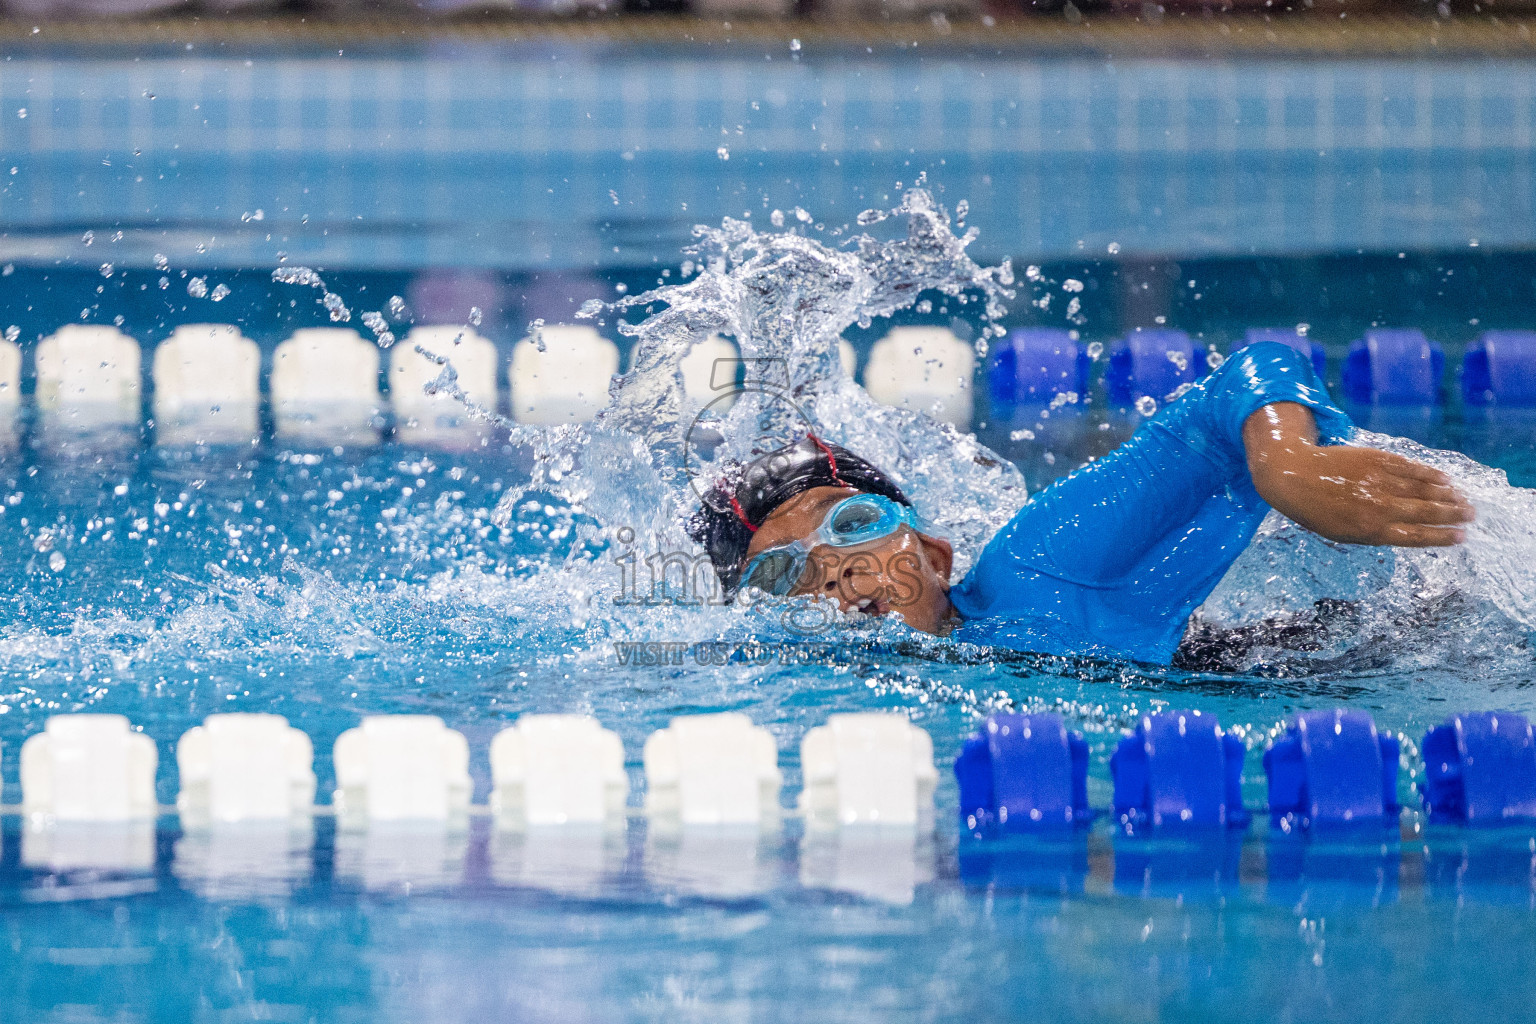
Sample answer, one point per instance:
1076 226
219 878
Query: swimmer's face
906 572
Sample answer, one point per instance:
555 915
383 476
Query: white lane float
88 791
557 770
244 767
440 419
712 770
10 392
325 387
925 369
709 373
89 768
567 382
401 768
207 387
88 382
867 768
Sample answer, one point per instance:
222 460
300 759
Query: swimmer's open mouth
870 606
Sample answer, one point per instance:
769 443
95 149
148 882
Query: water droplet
397 308
12 333
1114 247
869 217
794 45
106 270
962 209
1146 405
723 153
475 316
161 263
22 113
219 292
776 218
376 323
1095 349
197 287
56 561
88 237
338 309
1214 359
1071 284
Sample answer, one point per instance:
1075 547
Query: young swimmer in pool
1112 559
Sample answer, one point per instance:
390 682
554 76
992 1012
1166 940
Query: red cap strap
831 460
741 514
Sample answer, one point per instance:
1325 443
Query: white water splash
1465 606
1498 561
786 300
332 302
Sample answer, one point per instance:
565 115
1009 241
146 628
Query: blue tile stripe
487 159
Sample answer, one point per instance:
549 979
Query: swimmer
1112 559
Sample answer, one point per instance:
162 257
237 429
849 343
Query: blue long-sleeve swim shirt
1114 558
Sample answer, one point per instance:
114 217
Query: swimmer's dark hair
748 493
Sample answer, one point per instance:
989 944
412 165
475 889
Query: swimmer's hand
1348 494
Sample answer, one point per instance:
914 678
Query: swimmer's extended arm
1348 494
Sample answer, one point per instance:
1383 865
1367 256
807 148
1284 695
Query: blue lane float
1035 364
1179 768
1151 363
1294 338
1021 772
1332 769
1480 769
1393 367
1500 369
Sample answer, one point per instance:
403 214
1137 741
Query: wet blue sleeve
1159 519
1210 416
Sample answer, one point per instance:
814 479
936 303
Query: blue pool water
325 583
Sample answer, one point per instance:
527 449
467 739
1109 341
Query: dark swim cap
747 493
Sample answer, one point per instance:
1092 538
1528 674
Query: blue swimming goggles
856 520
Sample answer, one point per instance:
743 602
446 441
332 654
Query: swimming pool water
323 586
